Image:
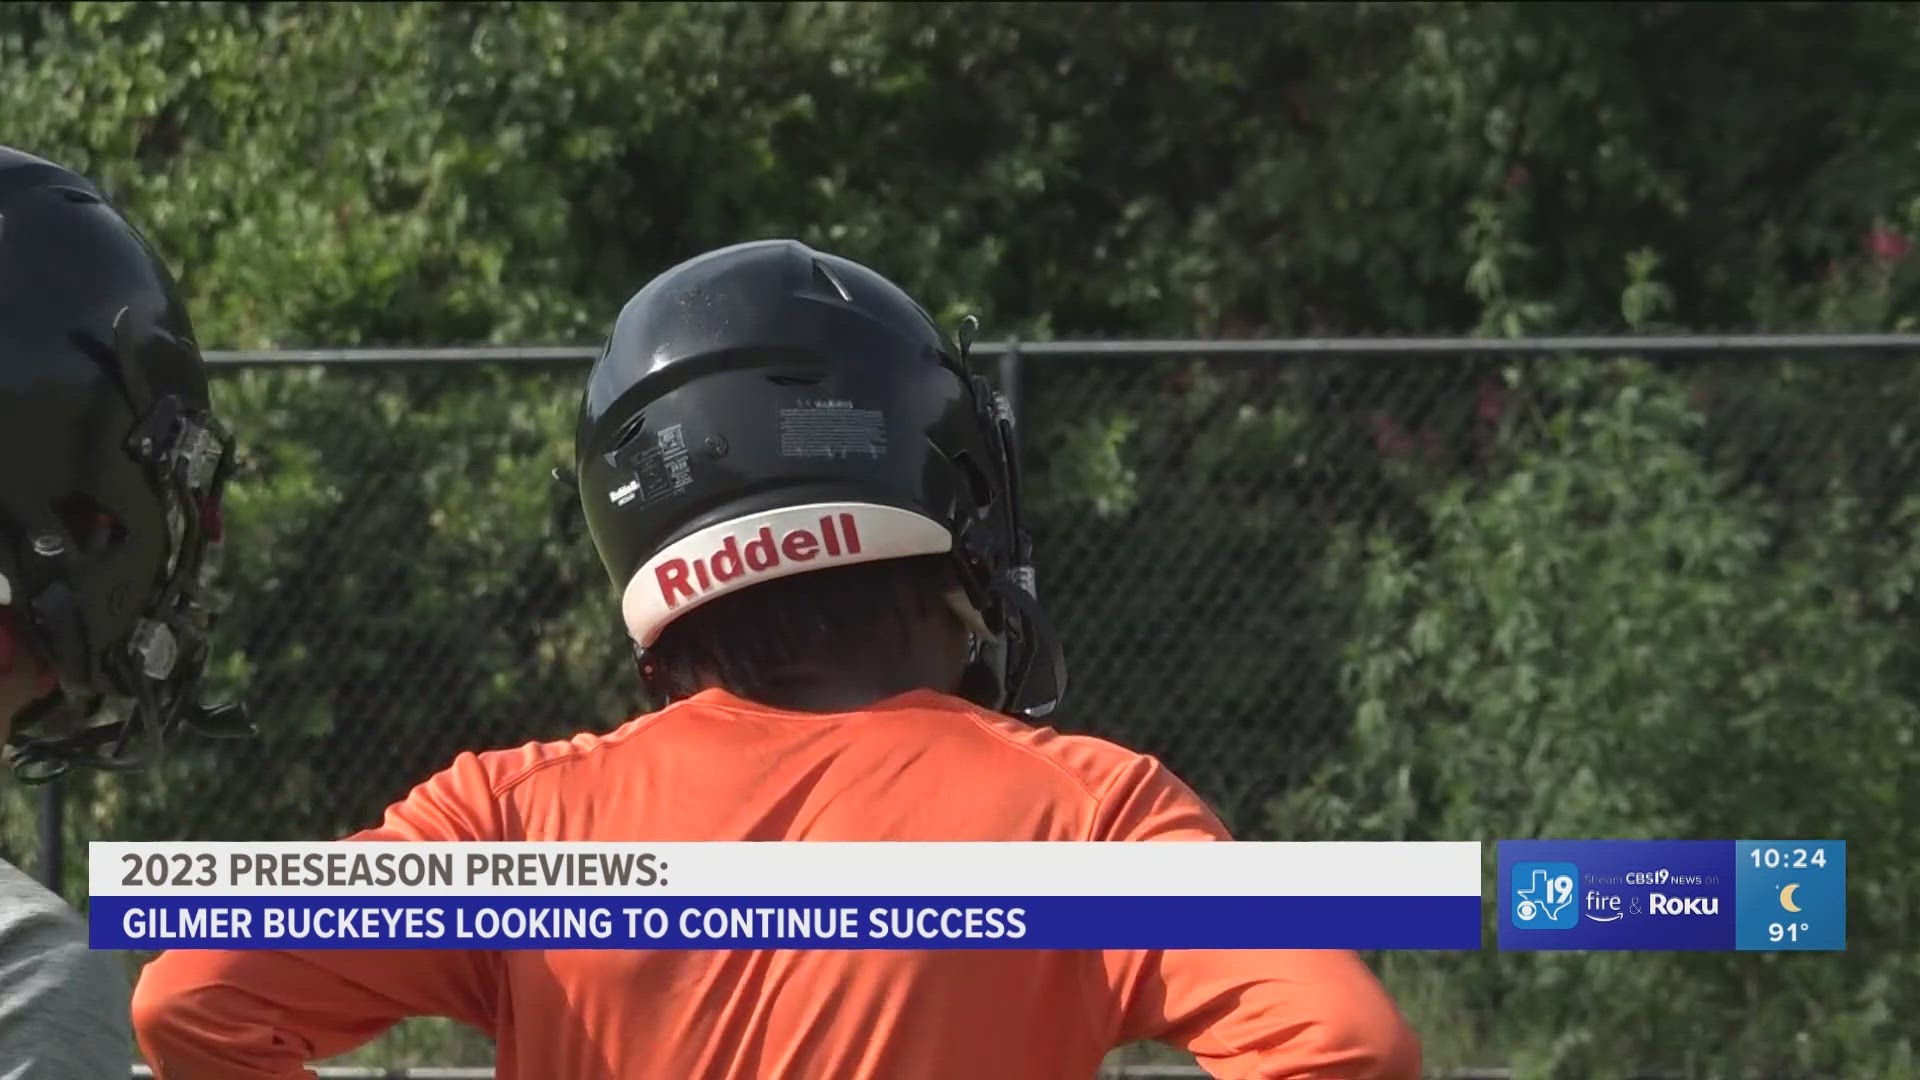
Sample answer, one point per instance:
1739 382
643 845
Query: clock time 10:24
1791 859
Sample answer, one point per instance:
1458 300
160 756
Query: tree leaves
1436 597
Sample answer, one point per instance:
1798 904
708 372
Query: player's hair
849 626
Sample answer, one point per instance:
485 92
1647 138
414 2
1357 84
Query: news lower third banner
501 896
1673 895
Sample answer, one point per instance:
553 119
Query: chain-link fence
1392 589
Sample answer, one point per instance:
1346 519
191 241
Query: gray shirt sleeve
63 1008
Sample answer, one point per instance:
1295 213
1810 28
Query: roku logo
1661 904
684 579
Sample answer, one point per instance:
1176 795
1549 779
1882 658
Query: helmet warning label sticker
830 428
660 468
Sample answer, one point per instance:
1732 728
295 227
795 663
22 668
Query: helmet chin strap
998 675
969 616
1038 645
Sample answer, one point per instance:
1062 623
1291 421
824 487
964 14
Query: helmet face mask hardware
765 410
110 542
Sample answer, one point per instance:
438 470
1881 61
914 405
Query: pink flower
1389 438
1889 245
1492 404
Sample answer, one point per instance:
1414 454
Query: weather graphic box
1791 895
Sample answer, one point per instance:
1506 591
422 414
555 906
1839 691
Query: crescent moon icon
1786 896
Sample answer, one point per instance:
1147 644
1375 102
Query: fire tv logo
684 579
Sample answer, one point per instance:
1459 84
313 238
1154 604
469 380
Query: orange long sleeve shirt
921 767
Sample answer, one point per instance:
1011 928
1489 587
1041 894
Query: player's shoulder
1081 754
1097 765
57 997
502 770
32 915
1132 795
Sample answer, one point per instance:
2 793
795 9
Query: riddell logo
681 580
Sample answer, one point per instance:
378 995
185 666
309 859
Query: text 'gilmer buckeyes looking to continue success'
760 547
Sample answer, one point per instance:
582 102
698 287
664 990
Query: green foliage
1606 640
1434 598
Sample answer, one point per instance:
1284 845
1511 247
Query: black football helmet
111 468
767 409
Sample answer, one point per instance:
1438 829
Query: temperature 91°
1788 932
